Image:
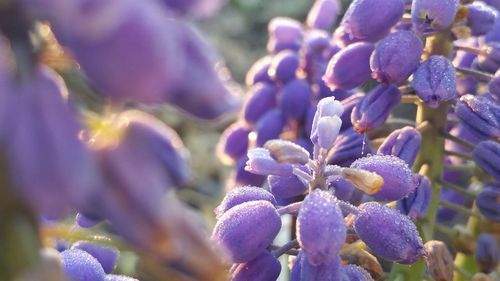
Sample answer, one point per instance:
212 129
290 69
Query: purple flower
261 99
328 271
398 178
416 204
260 162
350 67
487 252
489 59
397 240
465 84
494 86
79 265
374 108
486 154
354 272
295 99
480 18
241 195
370 20
403 143
396 57
286 186
323 14
434 81
348 147
283 66
263 267
107 256
480 115
243 177
233 143
247 229
258 72
349 103
433 15
320 227
488 202
284 33
50 167
269 126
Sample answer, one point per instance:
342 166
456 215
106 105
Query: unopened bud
439 261
287 152
366 181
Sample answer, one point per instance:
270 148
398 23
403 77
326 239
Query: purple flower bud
260 162
348 147
323 14
315 53
295 99
284 33
403 143
487 252
494 34
269 126
488 202
489 59
247 229
283 66
79 265
370 20
350 67
493 3
327 271
243 177
107 256
416 204
396 57
398 178
320 227
494 86
479 115
162 142
49 165
434 81
261 99
328 130
480 18
241 195
354 272
114 277
263 267
210 97
433 15
439 261
233 143
349 103
344 190
286 186
486 154
85 221
258 72
374 108
397 240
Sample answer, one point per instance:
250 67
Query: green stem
431 156
19 243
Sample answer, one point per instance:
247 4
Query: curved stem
483 76
285 248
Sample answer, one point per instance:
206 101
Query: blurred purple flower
429 15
